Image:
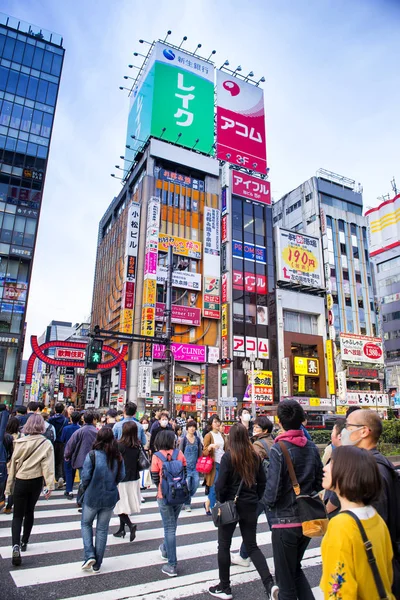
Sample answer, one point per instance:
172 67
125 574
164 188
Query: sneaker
69 495
143 500
7 511
163 553
219 592
96 568
16 556
88 564
271 590
169 570
236 559
188 508
61 483
24 546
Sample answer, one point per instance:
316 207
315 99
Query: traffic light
224 362
93 354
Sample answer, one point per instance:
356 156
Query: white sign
132 232
180 279
285 377
299 259
250 345
341 389
213 355
228 402
145 376
365 399
361 349
90 389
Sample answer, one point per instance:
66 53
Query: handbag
143 460
225 513
312 511
204 464
370 556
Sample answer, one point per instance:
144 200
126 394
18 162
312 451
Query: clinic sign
182 352
361 349
299 259
253 188
240 123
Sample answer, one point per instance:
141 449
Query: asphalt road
51 565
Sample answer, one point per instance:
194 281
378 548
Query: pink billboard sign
251 187
182 352
240 123
184 315
150 266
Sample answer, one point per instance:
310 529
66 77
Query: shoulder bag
143 460
312 511
225 513
370 556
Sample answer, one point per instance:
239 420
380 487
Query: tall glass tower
31 61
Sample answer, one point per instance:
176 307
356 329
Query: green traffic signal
96 357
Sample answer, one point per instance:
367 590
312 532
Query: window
389 264
393 316
345 275
358 277
341 225
300 322
348 301
293 207
308 197
343 248
355 252
311 219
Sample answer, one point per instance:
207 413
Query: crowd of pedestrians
250 471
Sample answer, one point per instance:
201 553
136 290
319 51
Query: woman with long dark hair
102 471
129 488
241 465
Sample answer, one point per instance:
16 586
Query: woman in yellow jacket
346 574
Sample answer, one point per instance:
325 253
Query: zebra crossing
51 565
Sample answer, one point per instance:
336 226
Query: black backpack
49 433
394 504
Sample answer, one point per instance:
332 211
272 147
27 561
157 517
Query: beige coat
29 461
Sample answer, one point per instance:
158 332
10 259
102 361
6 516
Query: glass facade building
31 62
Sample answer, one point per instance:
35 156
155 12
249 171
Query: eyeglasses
347 425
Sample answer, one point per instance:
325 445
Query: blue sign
249 252
223 201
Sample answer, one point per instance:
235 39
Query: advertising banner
211 263
149 296
131 251
145 375
360 373
179 179
126 320
90 389
384 226
14 291
184 315
306 366
262 315
225 287
224 228
183 247
211 298
251 187
249 251
285 373
180 279
224 332
299 259
240 123
330 361
250 282
182 352
365 399
148 321
246 346
361 349
263 387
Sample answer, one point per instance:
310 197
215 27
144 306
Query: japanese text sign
306 366
251 187
361 349
181 246
299 259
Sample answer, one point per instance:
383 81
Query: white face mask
145 426
246 417
345 437
163 422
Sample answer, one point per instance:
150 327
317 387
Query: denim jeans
288 546
260 509
69 476
169 516
193 480
103 519
211 496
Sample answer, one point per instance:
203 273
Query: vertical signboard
331 367
131 251
212 263
240 123
224 332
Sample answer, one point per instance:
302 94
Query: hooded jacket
79 445
280 496
33 456
58 422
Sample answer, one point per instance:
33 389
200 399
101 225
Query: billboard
384 226
182 352
306 366
263 387
131 251
361 349
249 251
299 259
246 346
183 247
249 282
211 263
253 188
240 123
180 279
184 315
365 399
148 321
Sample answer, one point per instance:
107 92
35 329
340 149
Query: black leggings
26 494
248 528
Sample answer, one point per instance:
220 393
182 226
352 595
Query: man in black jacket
363 429
288 541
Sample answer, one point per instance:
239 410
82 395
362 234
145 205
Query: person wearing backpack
288 541
6 448
363 429
168 472
192 449
262 443
31 461
59 421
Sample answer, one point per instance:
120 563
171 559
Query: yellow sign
181 246
149 292
329 301
331 367
306 366
315 402
148 321
126 320
302 384
224 320
300 259
341 410
178 389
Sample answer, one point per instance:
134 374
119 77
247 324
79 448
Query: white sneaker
88 564
188 508
61 483
236 559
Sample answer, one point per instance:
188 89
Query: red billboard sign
184 315
251 187
240 123
224 228
249 282
362 373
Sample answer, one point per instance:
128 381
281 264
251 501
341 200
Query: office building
31 61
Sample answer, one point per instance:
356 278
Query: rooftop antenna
168 33
394 186
183 40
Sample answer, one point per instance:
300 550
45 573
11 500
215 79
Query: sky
331 97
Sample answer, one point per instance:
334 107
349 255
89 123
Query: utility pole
168 330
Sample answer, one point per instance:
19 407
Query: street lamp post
248 368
